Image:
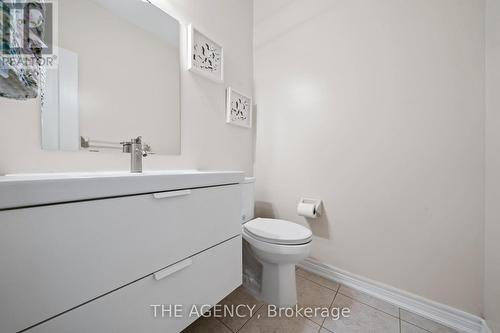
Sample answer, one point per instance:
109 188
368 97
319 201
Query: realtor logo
27 28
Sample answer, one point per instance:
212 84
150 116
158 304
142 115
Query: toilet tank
248 201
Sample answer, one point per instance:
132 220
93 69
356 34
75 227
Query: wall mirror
117 78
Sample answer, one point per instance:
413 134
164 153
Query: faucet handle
146 149
126 146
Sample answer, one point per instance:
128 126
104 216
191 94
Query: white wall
207 142
492 230
377 107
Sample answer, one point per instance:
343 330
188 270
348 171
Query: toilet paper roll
307 210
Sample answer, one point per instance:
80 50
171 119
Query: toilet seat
279 232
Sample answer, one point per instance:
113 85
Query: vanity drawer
54 258
203 279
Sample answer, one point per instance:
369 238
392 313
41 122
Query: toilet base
278 284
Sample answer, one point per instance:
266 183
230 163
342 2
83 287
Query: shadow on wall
255 114
264 210
319 226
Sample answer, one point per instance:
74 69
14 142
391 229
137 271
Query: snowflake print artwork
206 57
238 109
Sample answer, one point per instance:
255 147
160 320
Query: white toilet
277 245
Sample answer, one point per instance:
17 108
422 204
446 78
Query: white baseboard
443 314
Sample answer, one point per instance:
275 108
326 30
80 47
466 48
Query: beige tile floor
368 314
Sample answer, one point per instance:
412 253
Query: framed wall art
238 108
205 56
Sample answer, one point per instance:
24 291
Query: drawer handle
163 195
173 269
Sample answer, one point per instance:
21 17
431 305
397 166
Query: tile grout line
451 319
223 323
246 322
400 326
220 321
230 329
371 306
426 330
319 284
338 292
331 305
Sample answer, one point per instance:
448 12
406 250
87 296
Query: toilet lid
278 231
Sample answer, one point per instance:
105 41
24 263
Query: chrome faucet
137 151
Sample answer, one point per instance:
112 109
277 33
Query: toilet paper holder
310 207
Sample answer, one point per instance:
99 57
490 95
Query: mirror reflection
117 78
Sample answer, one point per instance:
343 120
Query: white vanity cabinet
199 280
98 265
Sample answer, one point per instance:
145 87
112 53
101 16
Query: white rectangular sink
25 190
97 174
